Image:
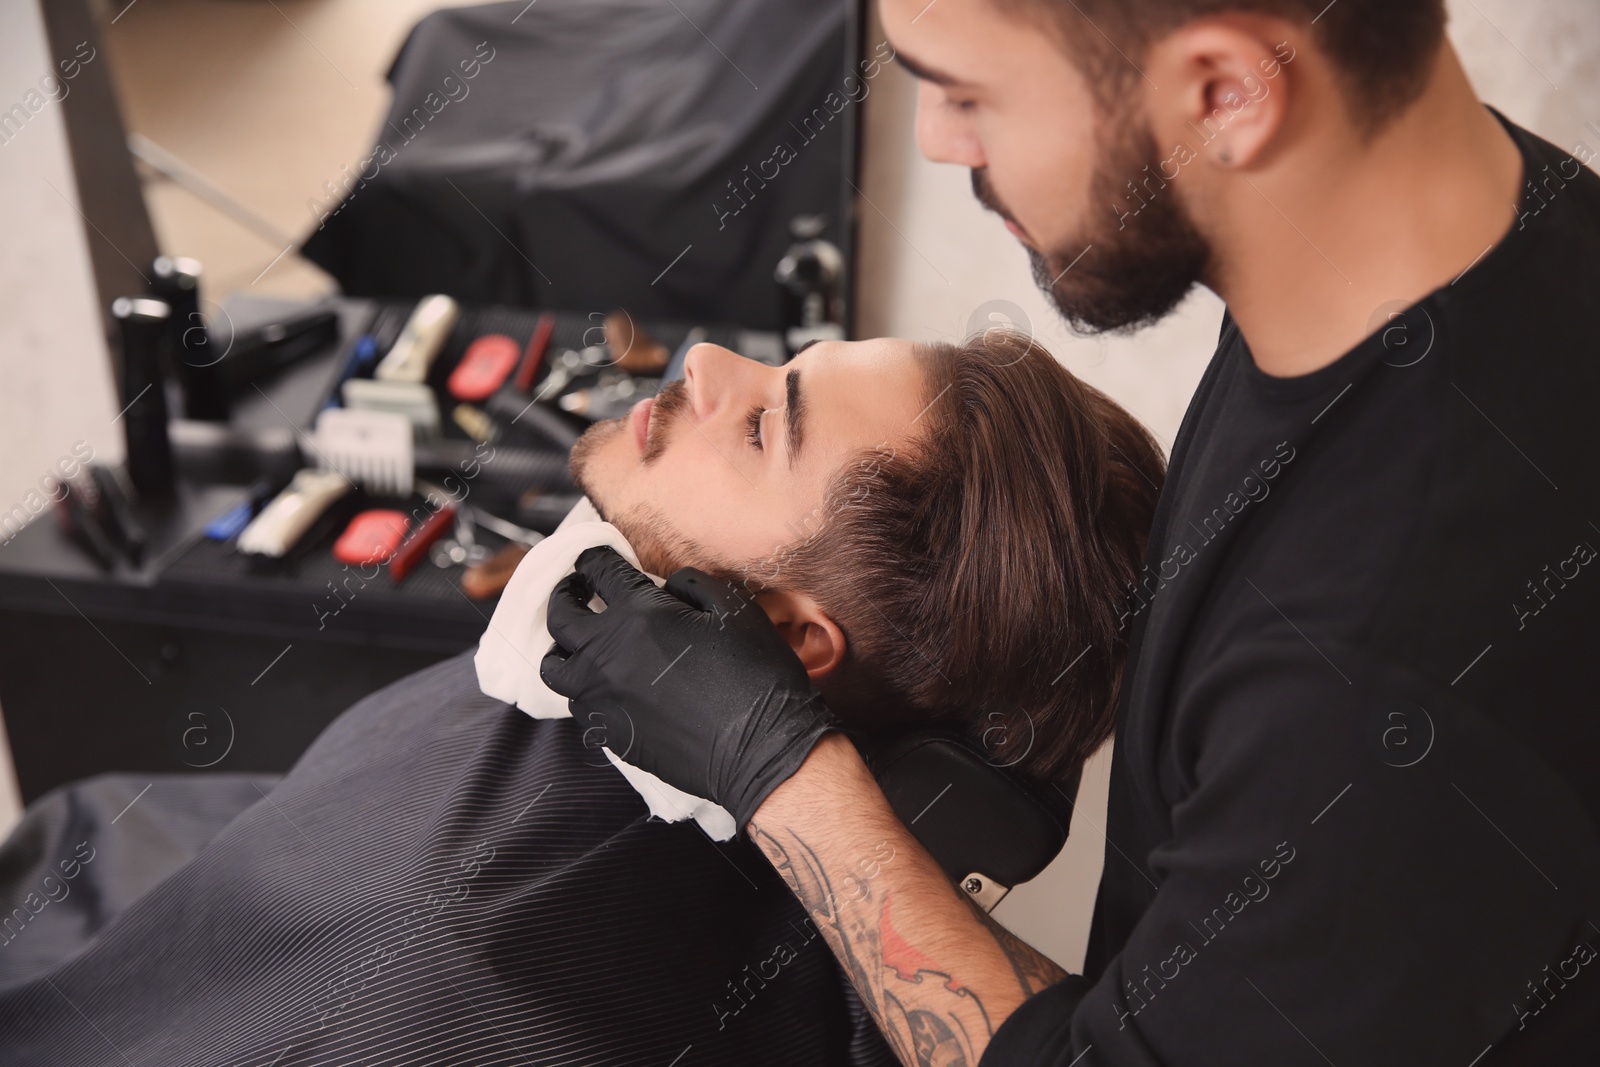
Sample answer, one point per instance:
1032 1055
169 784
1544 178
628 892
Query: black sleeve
1362 868
1041 1028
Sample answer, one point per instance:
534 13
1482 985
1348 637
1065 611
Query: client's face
733 462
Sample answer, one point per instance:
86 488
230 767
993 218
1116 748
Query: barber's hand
692 681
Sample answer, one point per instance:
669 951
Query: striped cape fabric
440 880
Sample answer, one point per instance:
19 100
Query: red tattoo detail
907 960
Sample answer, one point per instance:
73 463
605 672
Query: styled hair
979 574
1382 49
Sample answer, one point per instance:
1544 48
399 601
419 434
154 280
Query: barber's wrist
831 773
775 738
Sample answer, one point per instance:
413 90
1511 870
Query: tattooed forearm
937 974
925 1015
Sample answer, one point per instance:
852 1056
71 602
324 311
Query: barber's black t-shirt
1356 787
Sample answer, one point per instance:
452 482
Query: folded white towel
517 639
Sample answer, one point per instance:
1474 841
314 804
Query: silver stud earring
1224 157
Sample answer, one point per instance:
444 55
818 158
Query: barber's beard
1119 274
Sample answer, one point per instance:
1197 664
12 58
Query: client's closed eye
752 433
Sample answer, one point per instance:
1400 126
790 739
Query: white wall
930 257
55 381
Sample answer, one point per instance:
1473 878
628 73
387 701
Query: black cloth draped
440 879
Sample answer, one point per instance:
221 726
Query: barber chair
989 827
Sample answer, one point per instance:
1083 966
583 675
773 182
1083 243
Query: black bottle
197 368
144 326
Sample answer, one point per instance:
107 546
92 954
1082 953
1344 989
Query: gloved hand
691 682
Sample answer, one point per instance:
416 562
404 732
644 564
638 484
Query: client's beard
1133 275
661 548
670 402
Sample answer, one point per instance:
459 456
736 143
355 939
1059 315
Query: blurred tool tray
494 476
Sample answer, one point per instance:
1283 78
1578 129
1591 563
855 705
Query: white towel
517 639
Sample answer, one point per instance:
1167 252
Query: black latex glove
690 682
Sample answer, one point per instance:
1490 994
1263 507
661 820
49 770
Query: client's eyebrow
794 410
925 73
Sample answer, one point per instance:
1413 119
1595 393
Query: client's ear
813 635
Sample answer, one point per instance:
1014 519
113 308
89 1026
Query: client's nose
718 377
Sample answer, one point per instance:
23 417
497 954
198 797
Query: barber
1354 795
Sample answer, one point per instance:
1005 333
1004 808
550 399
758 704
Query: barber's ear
813 635
1224 89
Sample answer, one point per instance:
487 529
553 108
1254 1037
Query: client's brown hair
979 576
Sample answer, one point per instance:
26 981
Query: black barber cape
440 880
1357 774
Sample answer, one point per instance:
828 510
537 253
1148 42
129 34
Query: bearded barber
1354 797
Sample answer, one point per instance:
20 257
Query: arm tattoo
927 1014
1034 972
920 1035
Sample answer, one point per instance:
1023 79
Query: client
945 479
444 879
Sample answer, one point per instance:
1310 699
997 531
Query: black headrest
974 816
